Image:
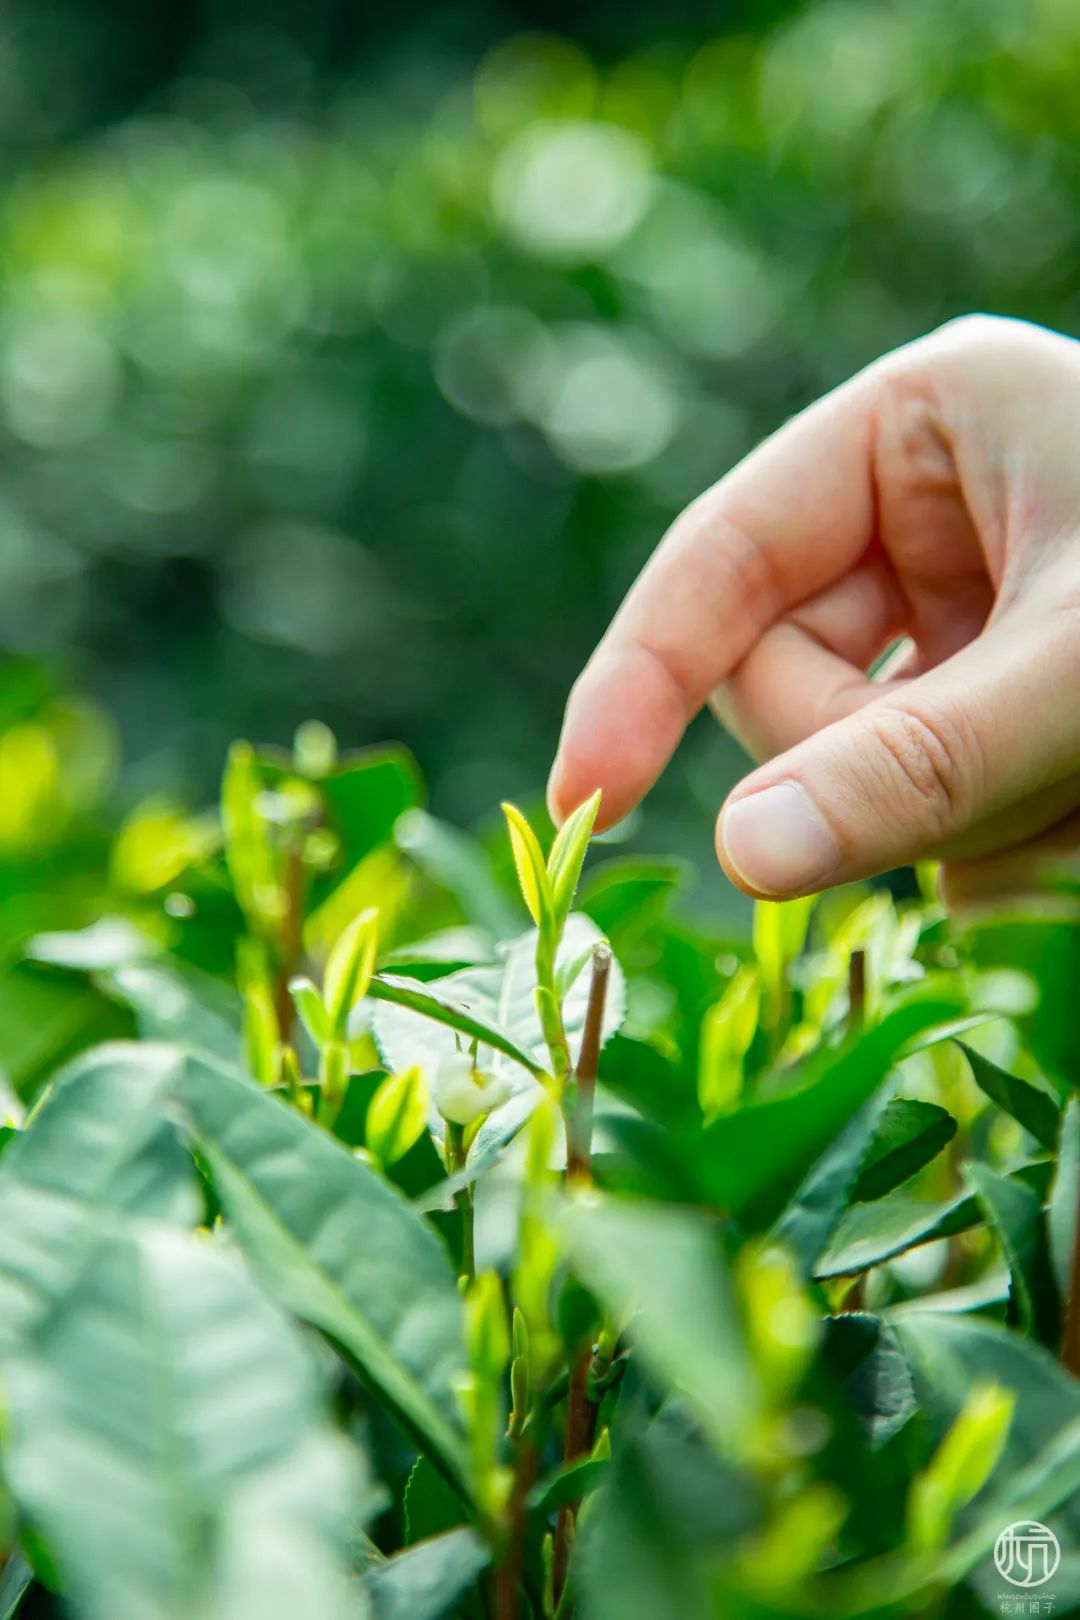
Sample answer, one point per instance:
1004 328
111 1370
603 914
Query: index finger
790 519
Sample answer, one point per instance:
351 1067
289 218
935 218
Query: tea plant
394 1258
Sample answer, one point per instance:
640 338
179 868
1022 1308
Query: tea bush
394 1226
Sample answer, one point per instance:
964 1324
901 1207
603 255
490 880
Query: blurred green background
352 362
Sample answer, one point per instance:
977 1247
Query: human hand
935 496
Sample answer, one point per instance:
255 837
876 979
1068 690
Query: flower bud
462 1094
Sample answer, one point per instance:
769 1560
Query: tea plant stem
548 1007
455 1161
294 1080
578 1104
855 1298
856 991
506 1587
591 1372
1070 1350
333 1082
468 1231
290 942
580 1098
580 1427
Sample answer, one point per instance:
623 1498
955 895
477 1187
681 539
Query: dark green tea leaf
872 1233
663 1270
1014 1212
909 1135
425 1581
166 1438
1037 1110
750 1162
340 1247
812 1216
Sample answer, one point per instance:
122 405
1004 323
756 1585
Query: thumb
919 771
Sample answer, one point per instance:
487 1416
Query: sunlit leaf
111 942
568 854
727 1031
156 844
364 797
261 1036
349 969
780 929
961 1465
380 882
948 1355
312 1009
248 850
529 864
487 1328
396 1116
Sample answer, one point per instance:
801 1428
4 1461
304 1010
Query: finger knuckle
928 762
729 557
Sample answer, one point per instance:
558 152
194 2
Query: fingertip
576 775
623 721
556 798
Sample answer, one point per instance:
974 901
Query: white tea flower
462 1094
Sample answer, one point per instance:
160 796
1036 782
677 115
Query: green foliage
567 855
166 1429
909 1134
476 1288
349 969
396 1116
337 1245
727 1031
960 1467
425 1582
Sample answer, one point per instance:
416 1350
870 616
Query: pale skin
934 497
